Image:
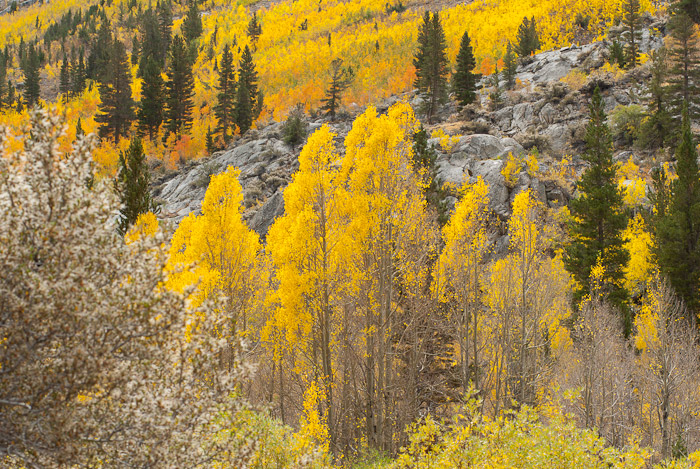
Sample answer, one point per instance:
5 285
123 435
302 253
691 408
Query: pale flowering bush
95 367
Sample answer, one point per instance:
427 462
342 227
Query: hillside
350 234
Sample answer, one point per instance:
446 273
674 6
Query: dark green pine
599 219
464 80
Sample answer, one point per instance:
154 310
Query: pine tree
431 64
657 127
599 218
249 76
117 107
30 67
510 66
226 96
632 34
464 80
528 41
165 22
340 80
192 26
677 225
150 113
211 148
244 110
5 97
424 164
78 73
152 46
180 89
254 30
684 76
691 8
64 86
79 128
132 186
99 59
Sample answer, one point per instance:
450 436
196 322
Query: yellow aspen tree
528 297
458 278
667 370
388 245
303 245
223 249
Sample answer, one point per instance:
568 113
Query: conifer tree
424 164
132 186
254 30
117 105
657 127
165 22
244 110
677 224
249 76
210 141
150 113
510 66
599 218
5 97
684 75
153 46
99 59
64 85
632 34
528 41
691 8
180 89
340 80
464 79
78 73
226 96
192 26
431 64
30 67
79 128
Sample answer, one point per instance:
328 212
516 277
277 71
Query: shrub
294 129
626 122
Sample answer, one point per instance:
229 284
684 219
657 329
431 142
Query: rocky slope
542 111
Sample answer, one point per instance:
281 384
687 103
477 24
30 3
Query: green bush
294 129
626 122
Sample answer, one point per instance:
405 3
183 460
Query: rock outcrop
542 112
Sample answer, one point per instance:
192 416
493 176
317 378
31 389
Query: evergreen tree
30 68
294 129
254 30
150 113
5 98
431 64
632 34
248 75
684 78
677 224
617 53
117 107
99 59
510 66
165 22
226 96
211 148
691 8
78 73
153 46
424 165
64 86
192 26
340 80
496 95
600 218
79 128
180 89
244 110
464 79
132 186
528 41
657 127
